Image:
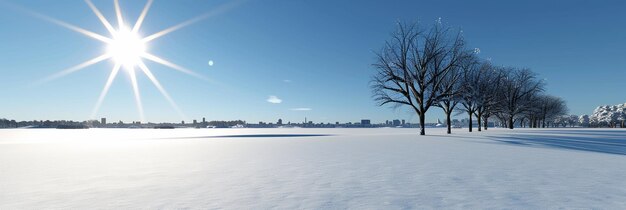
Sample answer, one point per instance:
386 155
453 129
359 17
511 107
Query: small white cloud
210 63
287 81
274 100
301 109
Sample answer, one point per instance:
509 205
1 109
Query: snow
608 115
387 168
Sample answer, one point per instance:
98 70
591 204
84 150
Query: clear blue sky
324 49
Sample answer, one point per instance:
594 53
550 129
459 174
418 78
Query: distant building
103 121
182 122
466 122
396 122
402 122
203 120
280 122
365 122
456 123
195 122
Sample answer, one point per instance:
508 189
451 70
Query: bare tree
488 95
411 67
472 75
452 88
534 112
572 120
518 88
551 108
493 95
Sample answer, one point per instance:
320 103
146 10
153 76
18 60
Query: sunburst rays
101 17
105 90
140 66
142 16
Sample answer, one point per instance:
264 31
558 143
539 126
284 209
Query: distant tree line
5 123
424 68
226 124
608 116
65 124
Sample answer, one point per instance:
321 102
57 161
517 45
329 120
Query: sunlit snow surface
312 169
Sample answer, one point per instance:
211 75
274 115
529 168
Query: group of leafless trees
424 68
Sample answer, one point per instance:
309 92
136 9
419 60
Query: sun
126 48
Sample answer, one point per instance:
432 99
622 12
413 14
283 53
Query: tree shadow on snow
594 142
617 133
255 136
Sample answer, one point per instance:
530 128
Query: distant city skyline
104 123
291 60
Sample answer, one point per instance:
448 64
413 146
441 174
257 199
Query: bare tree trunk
511 122
448 122
470 122
486 122
422 124
478 116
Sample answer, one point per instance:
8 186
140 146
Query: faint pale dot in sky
211 63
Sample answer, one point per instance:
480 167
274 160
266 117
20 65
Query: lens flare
126 48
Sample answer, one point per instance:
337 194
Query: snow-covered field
312 169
